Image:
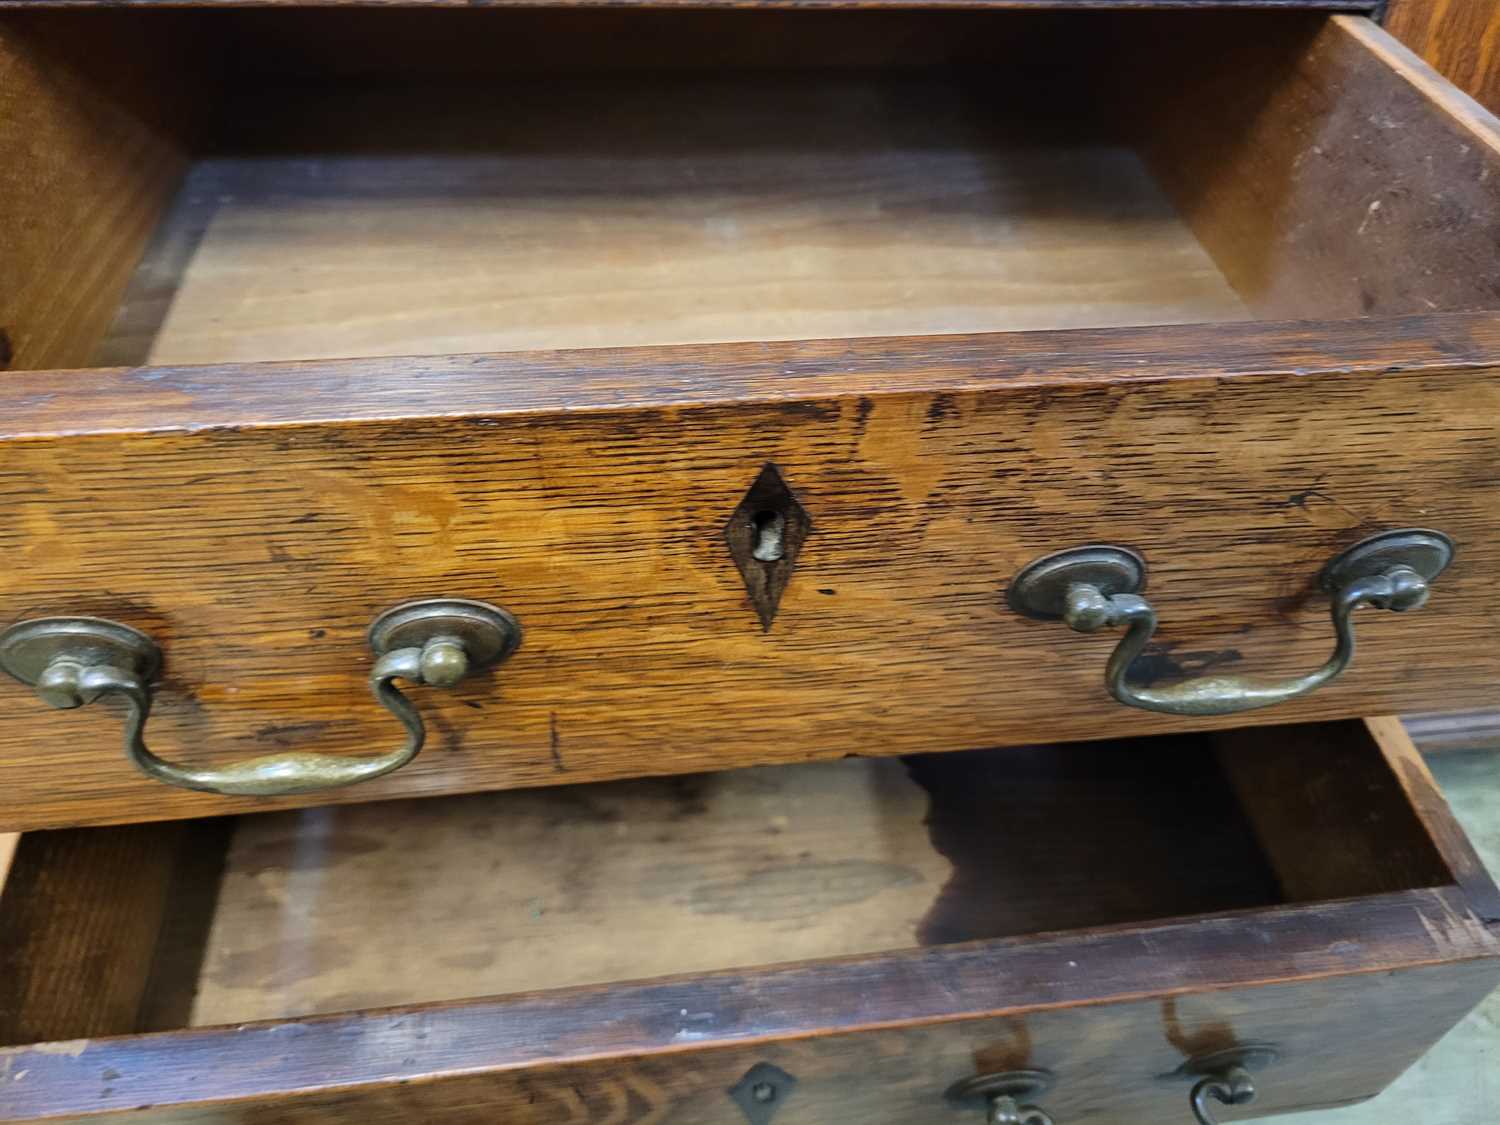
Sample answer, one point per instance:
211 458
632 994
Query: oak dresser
715 562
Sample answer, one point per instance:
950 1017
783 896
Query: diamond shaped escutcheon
765 535
761 1092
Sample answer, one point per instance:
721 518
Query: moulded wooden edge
1453 40
1427 800
906 989
1447 98
1437 732
116 401
8 842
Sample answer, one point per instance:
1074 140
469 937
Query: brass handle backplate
1006 1096
72 661
1099 587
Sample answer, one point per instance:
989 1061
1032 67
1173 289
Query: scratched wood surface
1338 175
571 885
588 491
1348 1025
1352 989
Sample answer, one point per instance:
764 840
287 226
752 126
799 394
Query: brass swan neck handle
1224 1076
73 661
1098 587
1232 1087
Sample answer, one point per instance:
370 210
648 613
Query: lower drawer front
841 942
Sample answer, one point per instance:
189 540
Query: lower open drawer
866 933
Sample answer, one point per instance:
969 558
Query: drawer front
589 494
1357 972
729 553
1341 1040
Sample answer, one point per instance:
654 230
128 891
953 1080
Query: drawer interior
288 914
202 187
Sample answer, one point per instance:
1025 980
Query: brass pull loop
73 661
1093 588
1006 1096
1224 1076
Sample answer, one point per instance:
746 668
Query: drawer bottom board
314 240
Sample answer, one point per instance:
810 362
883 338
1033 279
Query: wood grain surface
254 518
847 206
867 1041
79 921
1338 176
1426 800
1329 823
1460 38
587 491
96 127
1352 989
572 885
893 207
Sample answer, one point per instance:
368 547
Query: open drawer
758 353
857 937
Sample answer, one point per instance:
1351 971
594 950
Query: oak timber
95 127
893 206
1459 38
577 885
1337 175
1352 990
255 517
1237 458
80 917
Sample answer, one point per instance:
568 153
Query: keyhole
770 536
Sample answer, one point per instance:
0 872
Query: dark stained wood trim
907 989
246 396
1436 732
